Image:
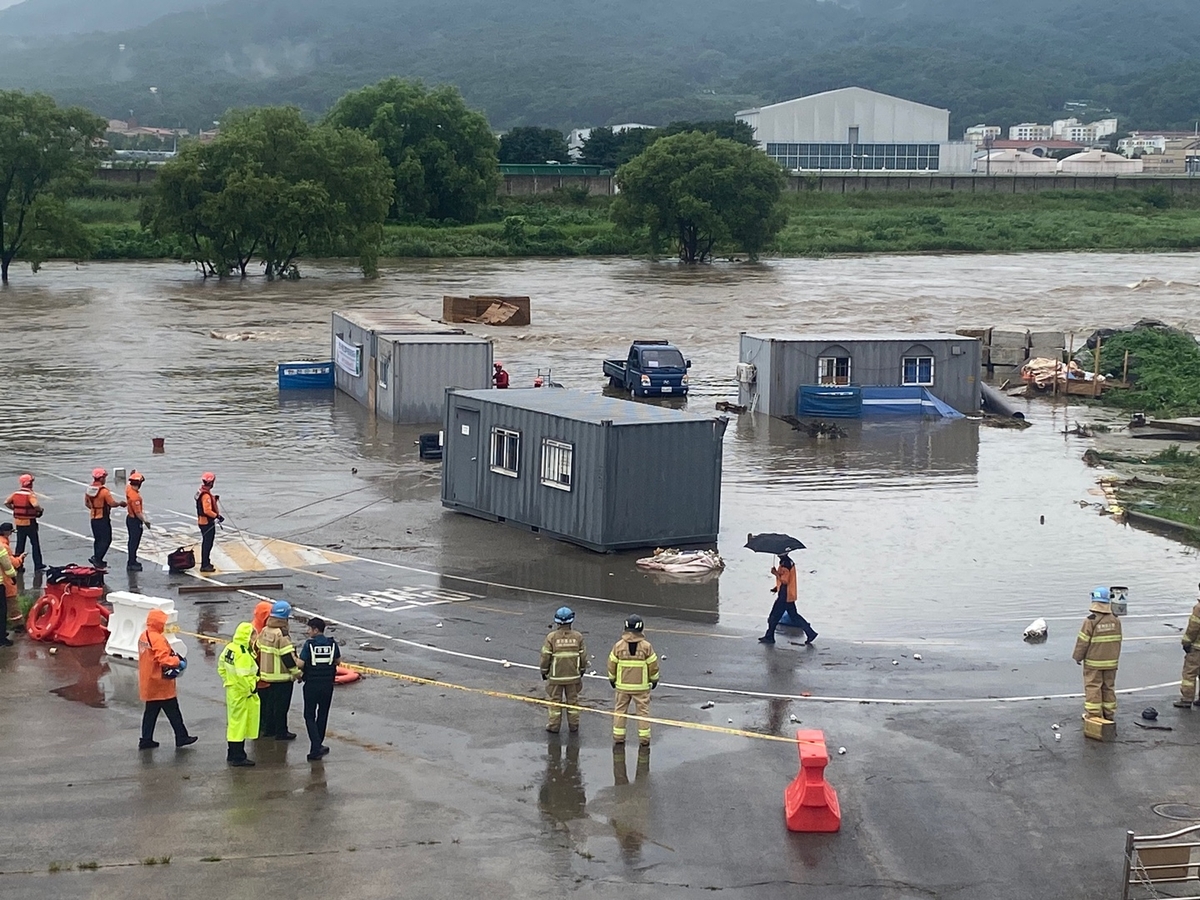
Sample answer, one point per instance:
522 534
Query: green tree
702 191
733 129
611 149
44 149
526 144
273 187
443 155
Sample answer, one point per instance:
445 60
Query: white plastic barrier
128 621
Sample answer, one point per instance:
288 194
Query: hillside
39 18
569 63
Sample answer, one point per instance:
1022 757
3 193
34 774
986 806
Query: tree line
273 187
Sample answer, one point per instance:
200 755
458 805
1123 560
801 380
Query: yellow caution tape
539 701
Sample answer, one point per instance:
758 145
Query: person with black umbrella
785 590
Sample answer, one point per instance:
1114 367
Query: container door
465 459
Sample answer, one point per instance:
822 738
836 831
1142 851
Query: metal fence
1160 865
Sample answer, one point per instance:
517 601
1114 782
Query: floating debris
1036 631
917 656
841 751
708 705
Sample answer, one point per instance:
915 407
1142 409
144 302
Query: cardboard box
1099 729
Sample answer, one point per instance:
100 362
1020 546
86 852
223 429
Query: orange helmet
136 477
97 474
26 480
208 478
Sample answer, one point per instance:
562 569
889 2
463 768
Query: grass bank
1166 484
570 224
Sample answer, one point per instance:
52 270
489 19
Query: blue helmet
1101 595
564 616
281 609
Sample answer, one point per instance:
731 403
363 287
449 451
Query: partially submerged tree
443 155
702 191
43 149
272 187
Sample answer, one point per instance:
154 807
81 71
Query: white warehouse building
853 129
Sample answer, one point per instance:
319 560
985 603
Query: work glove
1187 648
1079 662
653 685
544 676
613 682
220 519
183 664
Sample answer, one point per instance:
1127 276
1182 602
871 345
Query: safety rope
538 701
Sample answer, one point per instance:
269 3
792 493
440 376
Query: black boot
236 755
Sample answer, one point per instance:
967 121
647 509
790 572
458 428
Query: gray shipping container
783 363
398 365
604 473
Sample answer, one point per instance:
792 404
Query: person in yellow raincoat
238 668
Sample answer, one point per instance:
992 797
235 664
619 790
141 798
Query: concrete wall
530 185
850 183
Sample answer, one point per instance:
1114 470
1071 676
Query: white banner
348 357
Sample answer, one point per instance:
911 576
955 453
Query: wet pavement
938 539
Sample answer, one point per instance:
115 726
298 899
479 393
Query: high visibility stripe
1100 663
1084 636
638 666
1106 638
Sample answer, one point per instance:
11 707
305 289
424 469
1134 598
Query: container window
557 461
506 452
385 368
918 370
833 370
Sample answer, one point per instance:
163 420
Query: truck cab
651 369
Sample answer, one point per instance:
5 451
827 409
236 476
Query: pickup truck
652 369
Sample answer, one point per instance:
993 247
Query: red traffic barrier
810 803
69 614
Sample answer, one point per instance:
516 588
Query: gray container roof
396 322
849 337
407 338
576 405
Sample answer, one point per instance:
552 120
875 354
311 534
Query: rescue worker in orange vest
785 603
158 667
563 661
633 672
99 501
26 511
277 670
135 518
12 609
499 377
208 514
8 570
1098 649
1191 661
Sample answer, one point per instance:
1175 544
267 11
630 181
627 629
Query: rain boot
236 756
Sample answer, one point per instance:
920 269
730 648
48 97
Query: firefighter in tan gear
563 661
1098 649
633 671
1191 661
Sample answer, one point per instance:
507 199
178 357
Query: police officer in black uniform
318 658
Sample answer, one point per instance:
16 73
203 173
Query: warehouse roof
583 407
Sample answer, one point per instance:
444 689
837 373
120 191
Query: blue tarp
829 401
305 375
852 401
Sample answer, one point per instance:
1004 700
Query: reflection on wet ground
923 528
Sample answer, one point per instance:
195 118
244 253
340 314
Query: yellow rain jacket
239 673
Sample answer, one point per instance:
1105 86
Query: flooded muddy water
919 529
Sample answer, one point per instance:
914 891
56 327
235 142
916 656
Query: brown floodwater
919 529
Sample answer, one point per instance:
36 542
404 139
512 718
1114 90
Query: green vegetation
701 192
1166 484
565 65
1164 371
527 144
443 155
43 150
272 187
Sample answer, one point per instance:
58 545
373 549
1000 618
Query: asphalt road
952 785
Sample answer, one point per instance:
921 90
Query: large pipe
995 402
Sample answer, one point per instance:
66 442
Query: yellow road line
539 701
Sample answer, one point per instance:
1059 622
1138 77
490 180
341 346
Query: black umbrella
778 544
